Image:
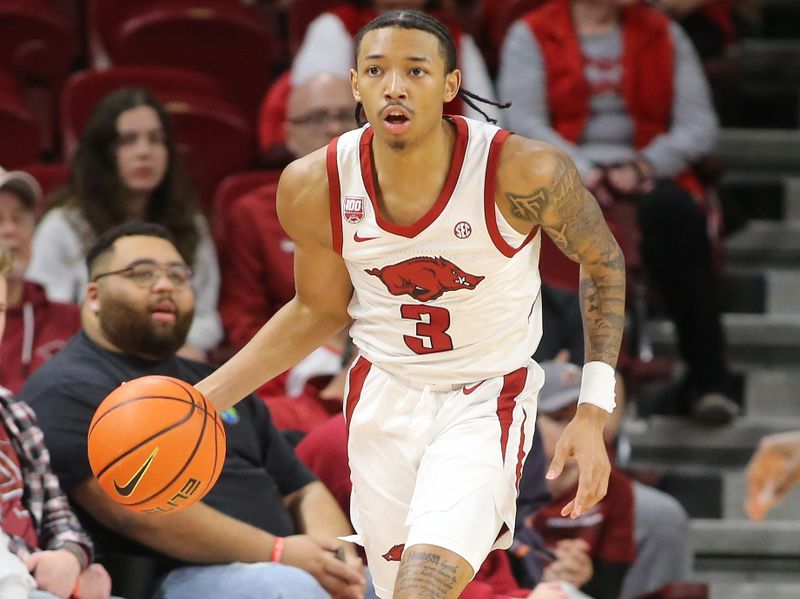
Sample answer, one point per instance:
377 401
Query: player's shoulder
525 161
303 196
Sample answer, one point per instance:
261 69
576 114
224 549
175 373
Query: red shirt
15 519
35 330
257 265
607 527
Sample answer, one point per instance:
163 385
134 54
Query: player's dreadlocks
414 19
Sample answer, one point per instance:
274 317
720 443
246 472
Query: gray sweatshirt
608 136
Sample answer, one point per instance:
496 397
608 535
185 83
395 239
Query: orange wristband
277 549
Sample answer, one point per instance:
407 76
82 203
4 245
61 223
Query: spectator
257 256
328 46
36 328
660 522
633 136
126 168
297 119
139 309
772 472
38 527
596 549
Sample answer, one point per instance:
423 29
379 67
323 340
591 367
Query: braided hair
414 19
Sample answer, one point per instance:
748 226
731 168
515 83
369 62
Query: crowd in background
619 85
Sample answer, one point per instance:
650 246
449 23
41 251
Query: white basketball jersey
453 298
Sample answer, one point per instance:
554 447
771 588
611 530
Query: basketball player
424 232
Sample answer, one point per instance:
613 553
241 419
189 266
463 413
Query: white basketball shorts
437 465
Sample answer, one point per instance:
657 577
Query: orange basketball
156 444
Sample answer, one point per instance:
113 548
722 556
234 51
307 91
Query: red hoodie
35 330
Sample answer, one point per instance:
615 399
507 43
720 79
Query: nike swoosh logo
358 239
131 485
471 389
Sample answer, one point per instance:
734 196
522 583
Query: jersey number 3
432 325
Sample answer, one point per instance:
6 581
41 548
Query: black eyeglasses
145 274
320 117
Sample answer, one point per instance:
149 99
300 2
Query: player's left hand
582 440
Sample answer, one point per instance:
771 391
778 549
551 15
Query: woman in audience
126 168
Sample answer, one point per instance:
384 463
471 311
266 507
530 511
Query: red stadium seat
301 13
105 18
86 88
233 187
214 140
224 40
38 47
51 177
36 43
20 136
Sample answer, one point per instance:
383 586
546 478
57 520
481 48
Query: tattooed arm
550 194
538 185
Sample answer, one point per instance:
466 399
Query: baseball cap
562 386
23 184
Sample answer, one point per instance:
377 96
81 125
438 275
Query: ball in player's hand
156 444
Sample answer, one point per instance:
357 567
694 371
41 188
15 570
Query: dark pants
677 256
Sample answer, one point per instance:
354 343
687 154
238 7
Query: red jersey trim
357 376
414 229
490 184
513 384
335 195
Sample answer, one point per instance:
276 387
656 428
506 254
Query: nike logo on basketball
471 389
131 485
358 239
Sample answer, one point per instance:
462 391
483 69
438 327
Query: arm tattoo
572 219
426 576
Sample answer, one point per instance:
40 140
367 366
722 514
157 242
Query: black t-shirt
260 466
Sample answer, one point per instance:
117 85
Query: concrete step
761 150
752 196
734 493
753 590
759 291
752 339
772 392
673 441
770 60
764 243
744 539
783 291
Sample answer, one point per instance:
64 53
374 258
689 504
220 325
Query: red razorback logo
424 278
395 554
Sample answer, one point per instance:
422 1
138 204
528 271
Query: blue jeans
240 581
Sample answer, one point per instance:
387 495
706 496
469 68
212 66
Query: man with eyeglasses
139 306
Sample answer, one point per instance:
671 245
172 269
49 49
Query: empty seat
224 40
20 137
85 89
214 140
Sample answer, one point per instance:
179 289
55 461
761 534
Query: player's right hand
315 556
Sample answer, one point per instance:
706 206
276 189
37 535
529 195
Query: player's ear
354 85
452 83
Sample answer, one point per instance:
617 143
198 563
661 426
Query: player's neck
413 166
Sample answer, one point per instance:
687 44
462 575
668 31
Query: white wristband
597 386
